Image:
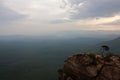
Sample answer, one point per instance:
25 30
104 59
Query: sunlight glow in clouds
31 17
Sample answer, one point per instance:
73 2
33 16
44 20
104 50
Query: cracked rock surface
89 66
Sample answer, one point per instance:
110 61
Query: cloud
8 15
82 9
59 21
42 16
47 11
115 23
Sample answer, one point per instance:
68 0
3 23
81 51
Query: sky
43 17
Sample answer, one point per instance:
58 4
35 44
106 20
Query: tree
104 48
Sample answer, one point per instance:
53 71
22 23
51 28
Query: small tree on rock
104 49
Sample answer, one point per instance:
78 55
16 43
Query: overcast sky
42 17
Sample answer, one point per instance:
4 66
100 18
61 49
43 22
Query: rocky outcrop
89 66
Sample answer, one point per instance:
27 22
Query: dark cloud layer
7 15
94 8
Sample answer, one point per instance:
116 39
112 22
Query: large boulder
89 66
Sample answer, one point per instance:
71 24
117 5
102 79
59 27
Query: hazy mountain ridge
113 44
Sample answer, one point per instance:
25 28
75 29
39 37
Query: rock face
91 66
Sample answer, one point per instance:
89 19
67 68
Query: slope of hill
113 44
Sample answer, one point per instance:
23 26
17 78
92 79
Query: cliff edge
89 66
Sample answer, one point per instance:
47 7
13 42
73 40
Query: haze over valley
35 58
36 36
